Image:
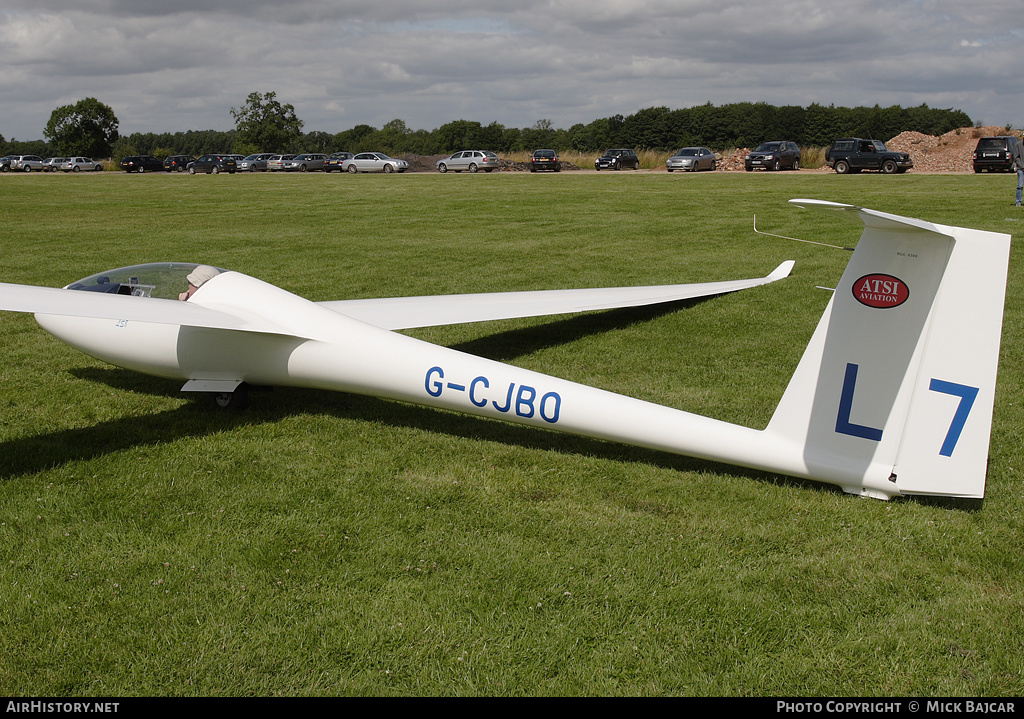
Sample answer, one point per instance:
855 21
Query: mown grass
330 544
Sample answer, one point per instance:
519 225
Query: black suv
213 164
773 156
616 160
852 154
995 153
177 163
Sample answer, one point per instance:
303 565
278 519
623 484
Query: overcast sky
176 65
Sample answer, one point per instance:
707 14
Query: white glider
893 396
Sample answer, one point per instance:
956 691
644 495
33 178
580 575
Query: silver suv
27 163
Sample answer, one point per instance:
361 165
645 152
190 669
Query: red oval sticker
881 291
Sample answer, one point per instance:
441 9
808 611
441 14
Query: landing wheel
239 399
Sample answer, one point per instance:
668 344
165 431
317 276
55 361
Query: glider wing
399 313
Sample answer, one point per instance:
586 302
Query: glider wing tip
782 270
822 204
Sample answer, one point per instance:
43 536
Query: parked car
995 153
617 160
5 163
852 154
77 164
213 164
52 164
773 156
333 161
307 162
141 163
472 160
692 159
275 163
27 163
373 162
256 162
545 160
177 163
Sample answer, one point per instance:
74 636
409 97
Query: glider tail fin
894 393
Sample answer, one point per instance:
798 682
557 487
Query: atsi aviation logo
881 291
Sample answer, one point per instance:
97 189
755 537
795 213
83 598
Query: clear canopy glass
165 280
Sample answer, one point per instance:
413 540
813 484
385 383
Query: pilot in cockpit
196 279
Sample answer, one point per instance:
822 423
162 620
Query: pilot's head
197 278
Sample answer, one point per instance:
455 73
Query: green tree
352 140
265 123
86 128
317 141
457 135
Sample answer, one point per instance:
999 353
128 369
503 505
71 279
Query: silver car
308 162
692 159
472 160
276 162
374 162
52 164
255 162
77 164
27 163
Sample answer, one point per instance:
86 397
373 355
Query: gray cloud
183 65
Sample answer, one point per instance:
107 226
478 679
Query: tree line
264 124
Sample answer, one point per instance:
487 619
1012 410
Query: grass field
330 544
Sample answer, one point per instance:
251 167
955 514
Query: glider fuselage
320 348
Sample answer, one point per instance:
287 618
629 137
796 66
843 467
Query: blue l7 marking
966 394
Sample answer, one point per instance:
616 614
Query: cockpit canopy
165 280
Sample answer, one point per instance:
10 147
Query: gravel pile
952 152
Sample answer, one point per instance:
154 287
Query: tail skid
894 393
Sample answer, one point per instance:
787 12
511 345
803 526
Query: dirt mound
422 163
734 161
952 152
